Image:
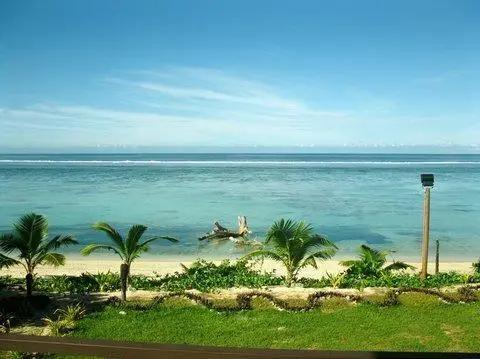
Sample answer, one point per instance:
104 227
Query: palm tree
30 239
295 245
372 263
128 249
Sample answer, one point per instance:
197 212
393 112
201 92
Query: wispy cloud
205 107
440 78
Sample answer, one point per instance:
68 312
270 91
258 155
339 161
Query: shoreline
169 265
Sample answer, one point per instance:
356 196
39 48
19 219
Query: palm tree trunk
29 282
289 279
124 273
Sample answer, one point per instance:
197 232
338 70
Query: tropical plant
128 249
476 266
335 280
295 245
58 326
29 239
71 313
371 264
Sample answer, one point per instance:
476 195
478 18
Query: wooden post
437 258
426 232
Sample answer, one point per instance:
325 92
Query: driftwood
221 233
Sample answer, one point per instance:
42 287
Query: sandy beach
79 265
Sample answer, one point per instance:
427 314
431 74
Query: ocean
375 199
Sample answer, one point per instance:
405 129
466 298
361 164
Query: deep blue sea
352 198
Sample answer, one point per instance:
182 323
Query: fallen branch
220 232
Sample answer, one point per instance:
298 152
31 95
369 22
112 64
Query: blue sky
175 74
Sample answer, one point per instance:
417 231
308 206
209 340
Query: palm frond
312 245
32 228
95 247
263 253
280 232
59 241
321 241
325 254
135 254
134 234
349 263
8 242
53 259
112 234
398 266
6 262
309 261
146 243
371 254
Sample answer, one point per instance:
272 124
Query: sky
239 74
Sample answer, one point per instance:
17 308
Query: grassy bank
420 323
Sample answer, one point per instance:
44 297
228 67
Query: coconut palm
29 241
295 245
128 249
372 263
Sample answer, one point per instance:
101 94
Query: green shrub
145 282
396 280
107 282
71 313
85 283
58 326
476 266
7 281
205 276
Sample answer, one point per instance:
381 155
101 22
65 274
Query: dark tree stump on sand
221 233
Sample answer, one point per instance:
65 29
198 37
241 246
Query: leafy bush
396 280
107 282
8 281
205 276
82 284
372 263
66 319
58 326
71 313
476 266
145 282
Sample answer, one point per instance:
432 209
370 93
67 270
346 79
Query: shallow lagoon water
353 199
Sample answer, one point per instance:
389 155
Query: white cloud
204 107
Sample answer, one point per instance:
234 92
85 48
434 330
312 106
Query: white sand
79 265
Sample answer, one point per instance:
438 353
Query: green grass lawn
419 323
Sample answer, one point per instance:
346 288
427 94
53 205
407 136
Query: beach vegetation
64 319
129 248
206 276
84 283
372 263
397 280
295 245
31 247
476 266
72 312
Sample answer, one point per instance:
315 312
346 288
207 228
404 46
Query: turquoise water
354 199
